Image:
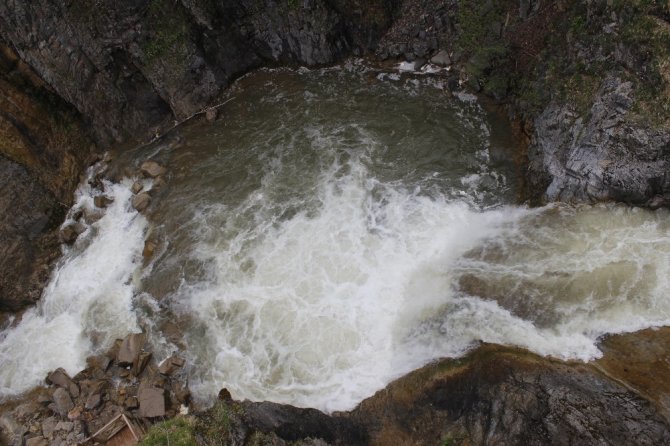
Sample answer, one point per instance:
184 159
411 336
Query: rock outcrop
493 396
29 219
127 67
600 156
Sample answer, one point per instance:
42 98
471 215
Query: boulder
130 349
48 427
37 441
137 187
152 402
159 182
141 201
140 363
62 402
70 232
149 249
60 378
102 201
93 401
211 114
441 58
170 365
152 169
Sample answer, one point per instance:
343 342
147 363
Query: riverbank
493 395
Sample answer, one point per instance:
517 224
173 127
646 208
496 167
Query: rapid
333 230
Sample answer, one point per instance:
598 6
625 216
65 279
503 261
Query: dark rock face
600 156
29 215
129 66
506 396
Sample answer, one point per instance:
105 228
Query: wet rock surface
128 67
494 395
29 216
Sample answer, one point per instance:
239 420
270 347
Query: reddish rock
152 169
211 114
141 201
102 201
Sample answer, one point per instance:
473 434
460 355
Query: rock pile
126 380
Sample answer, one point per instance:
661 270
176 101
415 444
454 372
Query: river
333 230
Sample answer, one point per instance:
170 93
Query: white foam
87 303
320 316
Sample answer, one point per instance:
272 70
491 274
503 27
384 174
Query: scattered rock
140 363
141 201
137 187
159 182
48 427
152 402
91 216
60 378
211 114
441 58
130 349
62 402
102 201
131 403
149 249
37 441
93 401
170 365
70 232
75 413
224 395
152 169
64 426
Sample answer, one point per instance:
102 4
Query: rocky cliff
78 74
587 81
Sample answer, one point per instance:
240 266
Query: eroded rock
102 201
130 349
152 169
171 365
141 201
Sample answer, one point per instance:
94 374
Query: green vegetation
451 439
481 24
171 32
178 431
221 423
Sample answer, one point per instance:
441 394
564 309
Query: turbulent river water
333 230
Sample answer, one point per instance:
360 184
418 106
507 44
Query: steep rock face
127 66
131 67
506 396
28 214
43 149
600 156
38 129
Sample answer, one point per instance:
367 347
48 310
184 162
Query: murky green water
335 229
